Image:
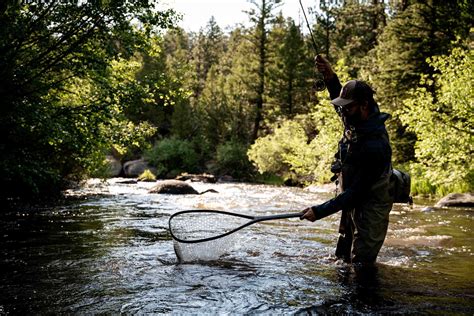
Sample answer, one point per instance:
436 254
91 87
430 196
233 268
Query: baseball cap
353 90
347 95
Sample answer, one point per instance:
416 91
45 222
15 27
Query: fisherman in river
362 167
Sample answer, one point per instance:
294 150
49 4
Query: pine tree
261 16
208 46
355 32
290 72
224 107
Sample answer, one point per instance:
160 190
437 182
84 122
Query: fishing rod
319 83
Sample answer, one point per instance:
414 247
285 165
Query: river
110 252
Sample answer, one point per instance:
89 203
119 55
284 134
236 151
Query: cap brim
341 101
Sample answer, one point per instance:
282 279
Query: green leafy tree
325 24
225 104
204 52
208 47
419 30
127 130
55 67
444 125
179 119
294 154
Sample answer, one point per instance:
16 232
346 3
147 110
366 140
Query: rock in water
457 200
207 178
173 187
134 168
114 167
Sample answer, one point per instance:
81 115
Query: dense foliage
173 156
80 80
65 81
301 148
444 125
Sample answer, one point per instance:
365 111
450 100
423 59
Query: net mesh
205 251
204 224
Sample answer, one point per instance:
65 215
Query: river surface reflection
112 253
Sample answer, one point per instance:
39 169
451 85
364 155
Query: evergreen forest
83 80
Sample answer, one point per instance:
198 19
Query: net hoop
250 218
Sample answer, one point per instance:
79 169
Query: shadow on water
383 289
41 253
361 293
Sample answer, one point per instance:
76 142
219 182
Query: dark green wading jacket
365 175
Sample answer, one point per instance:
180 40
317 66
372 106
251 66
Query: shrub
173 156
129 139
232 160
300 149
147 175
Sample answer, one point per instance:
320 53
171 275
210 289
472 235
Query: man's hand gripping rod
319 83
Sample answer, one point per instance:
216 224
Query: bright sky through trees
196 13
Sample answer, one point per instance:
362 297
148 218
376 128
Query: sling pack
400 183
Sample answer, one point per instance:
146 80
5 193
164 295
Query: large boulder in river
114 167
457 200
175 187
134 168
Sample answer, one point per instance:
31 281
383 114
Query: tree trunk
262 41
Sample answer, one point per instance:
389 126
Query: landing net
201 234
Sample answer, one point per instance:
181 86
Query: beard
354 119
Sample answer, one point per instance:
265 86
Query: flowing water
112 253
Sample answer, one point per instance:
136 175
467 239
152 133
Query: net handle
252 220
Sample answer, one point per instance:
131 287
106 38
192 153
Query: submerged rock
207 178
128 181
176 187
457 200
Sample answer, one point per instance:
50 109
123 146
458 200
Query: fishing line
319 84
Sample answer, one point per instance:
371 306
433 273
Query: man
363 167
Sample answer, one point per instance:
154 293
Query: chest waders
362 229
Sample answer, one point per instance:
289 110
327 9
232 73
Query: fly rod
319 83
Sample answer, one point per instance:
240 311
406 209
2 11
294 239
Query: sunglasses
347 108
